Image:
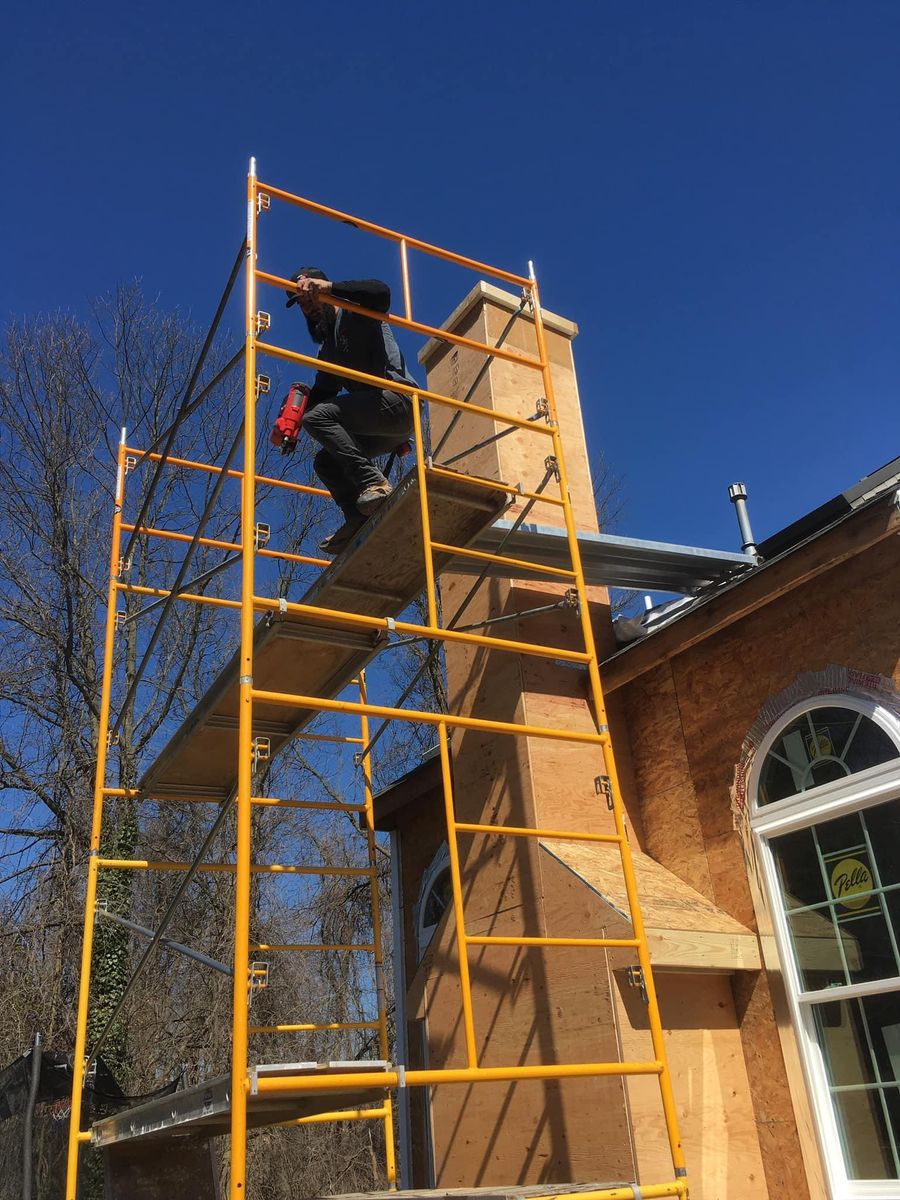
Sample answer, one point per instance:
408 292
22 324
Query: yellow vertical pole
404 272
241 983
390 1157
446 774
90 901
656 1032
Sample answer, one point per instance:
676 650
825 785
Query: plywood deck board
378 575
513 1192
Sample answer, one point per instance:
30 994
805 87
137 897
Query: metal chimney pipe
737 494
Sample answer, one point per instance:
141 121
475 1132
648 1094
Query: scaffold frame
383 631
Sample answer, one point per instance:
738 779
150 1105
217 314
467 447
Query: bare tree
66 386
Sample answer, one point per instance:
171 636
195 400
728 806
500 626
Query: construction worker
353 423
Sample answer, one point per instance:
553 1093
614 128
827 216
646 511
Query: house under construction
645 888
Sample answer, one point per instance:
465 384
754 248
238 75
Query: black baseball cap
310 273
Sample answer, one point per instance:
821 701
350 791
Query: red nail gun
288 423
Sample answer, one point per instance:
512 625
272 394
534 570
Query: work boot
373 498
341 537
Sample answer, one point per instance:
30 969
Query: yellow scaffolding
380 1082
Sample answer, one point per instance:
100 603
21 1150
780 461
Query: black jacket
361 343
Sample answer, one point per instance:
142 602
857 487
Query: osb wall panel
768 1042
530 1006
712 1091
668 803
687 720
848 616
555 697
617 717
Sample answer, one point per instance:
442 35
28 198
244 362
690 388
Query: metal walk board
612 561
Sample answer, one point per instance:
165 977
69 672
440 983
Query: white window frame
854 793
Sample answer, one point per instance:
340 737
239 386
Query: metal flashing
612 561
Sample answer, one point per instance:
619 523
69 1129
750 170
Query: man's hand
312 288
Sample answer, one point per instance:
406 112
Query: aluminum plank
612 561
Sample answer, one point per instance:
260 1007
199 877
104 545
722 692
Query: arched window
825 814
821 745
435 894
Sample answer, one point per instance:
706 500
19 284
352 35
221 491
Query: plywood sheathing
529 1000
690 712
531 1007
712 1089
523 1002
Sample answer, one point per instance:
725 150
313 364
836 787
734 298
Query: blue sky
709 189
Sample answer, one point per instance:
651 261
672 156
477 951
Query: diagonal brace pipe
179 582
186 398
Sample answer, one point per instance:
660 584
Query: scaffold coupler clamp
130 463
258 976
263 202
603 787
262 750
542 409
635 976
570 600
551 463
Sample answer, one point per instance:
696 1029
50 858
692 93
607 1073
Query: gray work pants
352 429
